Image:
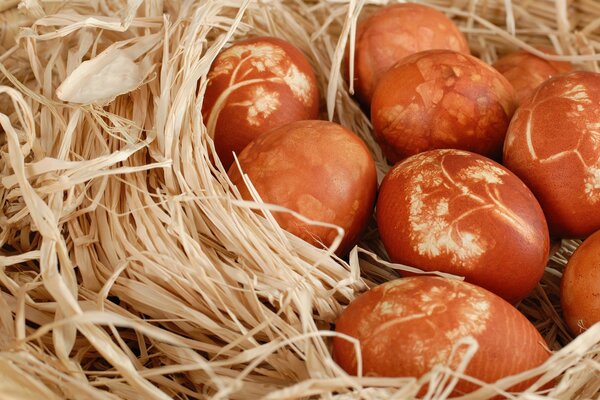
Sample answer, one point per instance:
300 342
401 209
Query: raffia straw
128 265
8 5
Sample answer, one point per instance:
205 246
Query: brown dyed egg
407 326
553 145
526 71
254 86
441 99
394 32
580 286
318 169
461 213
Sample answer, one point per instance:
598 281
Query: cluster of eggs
490 162
262 103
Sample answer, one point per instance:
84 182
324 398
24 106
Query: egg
553 145
320 170
441 99
394 32
254 86
407 326
580 286
526 71
461 213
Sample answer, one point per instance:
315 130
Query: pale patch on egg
265 104
258 65
261 105
483 172
222 67
311 207
418 347
426 66
456 152
577 93
457 71
442 208
425 297
475 314
389 307
397 115
433 234
298 83
592 184
454 43
430 92
402 284
593 129
441 357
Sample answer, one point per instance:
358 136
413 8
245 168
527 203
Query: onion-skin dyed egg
441 99
407 326
394 32
254 86
553 145
580 286
318 169
526 71
464 214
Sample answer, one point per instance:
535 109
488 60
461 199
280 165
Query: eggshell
580 286
394 32
254 86
441 99
553 145
318 169
526 71
407 326
458 212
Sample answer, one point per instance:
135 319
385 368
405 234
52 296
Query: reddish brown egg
458 212
553 145
254 86
580 286
394 32
318 169
441 99
407 326
526 71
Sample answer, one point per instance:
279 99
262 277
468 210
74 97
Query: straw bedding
130 269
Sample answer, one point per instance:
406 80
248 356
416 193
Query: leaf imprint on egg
240 61
262 104
434 231
424 305
590 136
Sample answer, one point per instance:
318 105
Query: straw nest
130 269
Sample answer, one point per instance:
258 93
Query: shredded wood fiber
129 268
